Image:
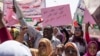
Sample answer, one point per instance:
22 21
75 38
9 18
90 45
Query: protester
57 33
79 40
33 33
48 33
92 48
45 47
71 49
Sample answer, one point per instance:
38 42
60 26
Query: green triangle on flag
79 19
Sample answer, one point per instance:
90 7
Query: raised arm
20 38
87 37
30 30
19 13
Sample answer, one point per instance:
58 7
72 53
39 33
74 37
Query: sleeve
5 35
87 37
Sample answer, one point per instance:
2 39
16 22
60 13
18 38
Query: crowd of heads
53 41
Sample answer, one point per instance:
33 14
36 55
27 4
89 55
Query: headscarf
48 44
59 35
71 44
88 54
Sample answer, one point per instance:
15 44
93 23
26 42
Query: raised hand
87 25
23 30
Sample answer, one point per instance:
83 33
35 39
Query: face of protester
55 30
45 47
70 51
42 48
59 49
47 33
92 49
78 31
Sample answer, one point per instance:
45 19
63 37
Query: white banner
30 8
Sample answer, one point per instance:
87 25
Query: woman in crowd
45 47
58 34
71 49
79 40
92 48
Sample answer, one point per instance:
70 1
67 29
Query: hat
14 48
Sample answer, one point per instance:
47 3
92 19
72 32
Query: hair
67 35
49 27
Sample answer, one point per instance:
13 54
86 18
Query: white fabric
98 53
55 42
14 48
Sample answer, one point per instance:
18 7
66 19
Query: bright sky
73 4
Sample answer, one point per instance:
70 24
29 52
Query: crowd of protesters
54 41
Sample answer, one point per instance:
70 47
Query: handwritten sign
56 16
30 9
88 17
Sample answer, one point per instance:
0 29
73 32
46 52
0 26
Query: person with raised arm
33 33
